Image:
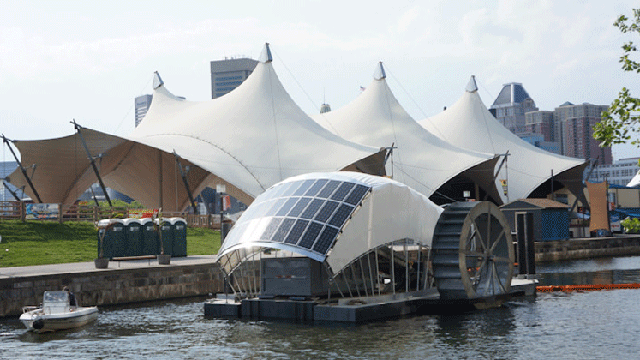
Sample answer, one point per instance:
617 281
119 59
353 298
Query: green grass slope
44 242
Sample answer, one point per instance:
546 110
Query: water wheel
473 254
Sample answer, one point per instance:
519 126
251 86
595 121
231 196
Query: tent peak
472 86
379 74
265 56
157 80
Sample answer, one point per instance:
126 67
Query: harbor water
576 325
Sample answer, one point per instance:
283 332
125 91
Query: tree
622 118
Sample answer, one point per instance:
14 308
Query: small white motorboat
56 313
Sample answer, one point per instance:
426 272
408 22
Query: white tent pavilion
434 167
528 172
248 140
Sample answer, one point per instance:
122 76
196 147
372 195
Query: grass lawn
44 242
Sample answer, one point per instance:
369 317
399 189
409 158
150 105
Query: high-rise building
143 102
228 74
540 122
575 124
511 105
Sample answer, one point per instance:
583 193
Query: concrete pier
123 282
587 248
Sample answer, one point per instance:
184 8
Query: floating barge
350 247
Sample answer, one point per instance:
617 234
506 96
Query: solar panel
264 208
325 213
287 206
291 189
328 189
342 191
304 187
357 194
325 240
271 228
307 213
299 207
341 215
312 209
277 205
310 235
316 187
283 230
296 231
278 190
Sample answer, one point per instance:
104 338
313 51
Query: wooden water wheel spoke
497 242
496 272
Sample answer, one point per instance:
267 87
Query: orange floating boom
595 287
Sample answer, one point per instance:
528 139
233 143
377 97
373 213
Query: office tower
511 105
228 74
143 102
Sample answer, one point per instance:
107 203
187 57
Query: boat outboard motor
38 324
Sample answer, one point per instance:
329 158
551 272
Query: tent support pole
185 181
15 196
160 202
93 162
22 169
93 195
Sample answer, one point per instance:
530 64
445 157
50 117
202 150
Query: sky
86 60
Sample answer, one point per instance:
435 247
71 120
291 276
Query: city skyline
87 61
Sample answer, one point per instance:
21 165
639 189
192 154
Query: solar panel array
307 214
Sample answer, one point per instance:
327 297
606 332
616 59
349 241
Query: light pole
221 189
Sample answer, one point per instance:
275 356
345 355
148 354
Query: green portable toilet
114 238
167 235
150 245
134 240
179 226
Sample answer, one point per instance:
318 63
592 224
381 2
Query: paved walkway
84 267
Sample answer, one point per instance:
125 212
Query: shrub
631 225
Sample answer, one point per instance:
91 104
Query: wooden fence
18 210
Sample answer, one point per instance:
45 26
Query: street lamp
221 189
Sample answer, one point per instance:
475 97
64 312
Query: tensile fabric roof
528 171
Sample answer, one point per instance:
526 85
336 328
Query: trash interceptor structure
348 235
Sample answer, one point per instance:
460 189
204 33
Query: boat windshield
56 297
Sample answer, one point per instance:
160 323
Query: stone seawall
586 248
117 286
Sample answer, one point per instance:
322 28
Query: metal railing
17 210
